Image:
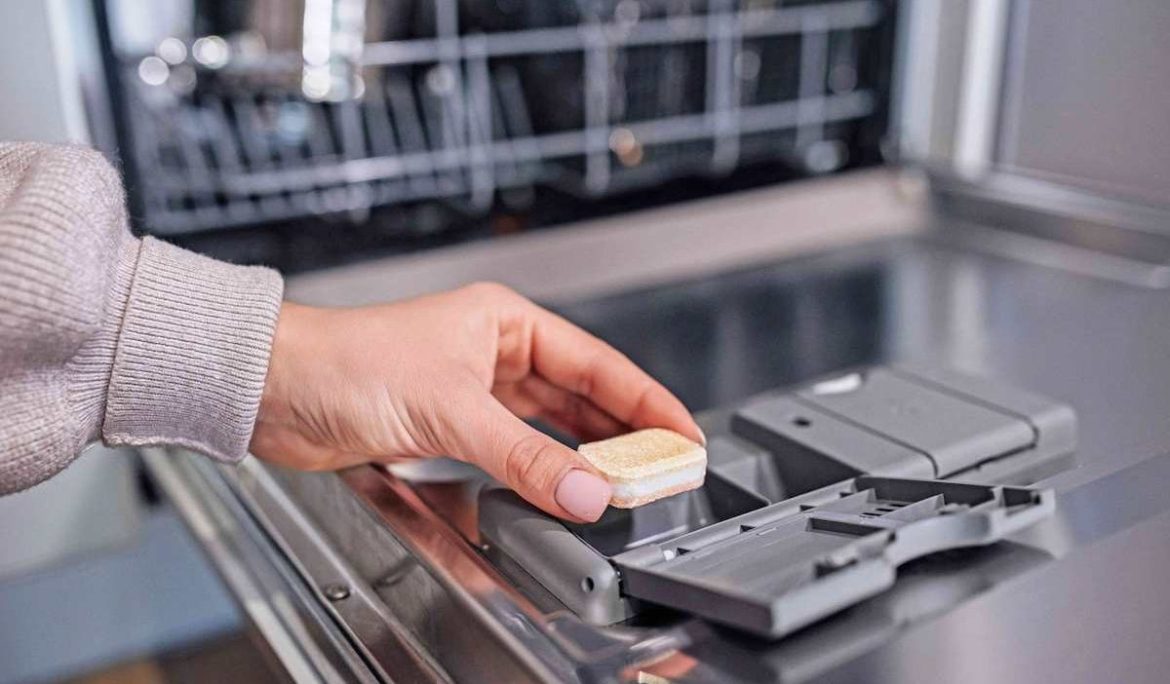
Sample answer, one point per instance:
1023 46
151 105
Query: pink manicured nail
583 494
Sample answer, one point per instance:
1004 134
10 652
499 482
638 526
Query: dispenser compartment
783 567
812 500
622 529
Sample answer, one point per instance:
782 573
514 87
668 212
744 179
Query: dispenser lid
777 569
952 430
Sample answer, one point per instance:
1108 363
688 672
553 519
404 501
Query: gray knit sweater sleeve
104 336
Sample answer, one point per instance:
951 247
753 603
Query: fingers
545 472
578 362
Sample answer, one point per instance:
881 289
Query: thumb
548 474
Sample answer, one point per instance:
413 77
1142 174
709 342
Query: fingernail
702 435
583 494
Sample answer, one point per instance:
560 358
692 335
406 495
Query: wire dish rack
463 100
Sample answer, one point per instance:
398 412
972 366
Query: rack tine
259 154
479 126
353 146
226 156
381 133
504 129
814 40
410 129
289 144
441 131
198 172
147 154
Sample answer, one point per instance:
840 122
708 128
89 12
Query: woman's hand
453 374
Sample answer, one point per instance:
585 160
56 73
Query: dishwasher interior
312 132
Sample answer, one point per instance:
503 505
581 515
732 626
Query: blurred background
310 133
371 149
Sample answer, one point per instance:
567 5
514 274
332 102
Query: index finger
571 358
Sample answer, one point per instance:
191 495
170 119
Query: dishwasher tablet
647 465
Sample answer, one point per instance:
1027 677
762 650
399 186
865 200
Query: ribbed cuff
192 353
89 370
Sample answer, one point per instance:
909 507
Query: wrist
275 401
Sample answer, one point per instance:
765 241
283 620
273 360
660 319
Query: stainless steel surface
385 645
718 318
932 48
1081 599
1053 225
980 85
1076 156
1086 103
304 645
646 248
1098 344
